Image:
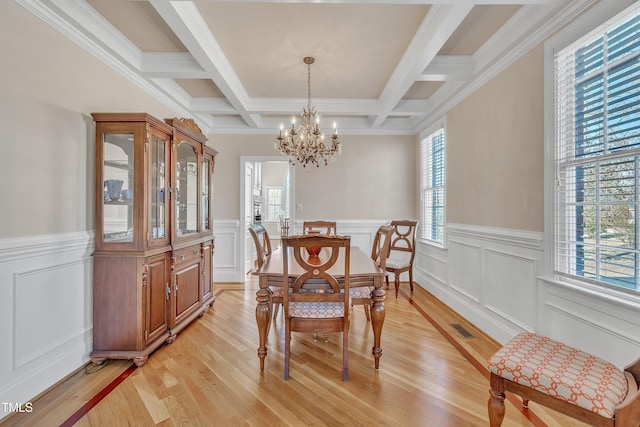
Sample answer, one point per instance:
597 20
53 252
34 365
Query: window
432 185
597 155
275 203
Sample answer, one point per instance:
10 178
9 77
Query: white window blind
597 156
432 183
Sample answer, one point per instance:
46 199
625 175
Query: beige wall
49 86
495 148
374 178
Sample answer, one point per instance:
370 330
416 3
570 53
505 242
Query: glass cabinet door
206 189
158 212
186 191
117 172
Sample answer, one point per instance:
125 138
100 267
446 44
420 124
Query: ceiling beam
450 67
441 21
188 24
180 65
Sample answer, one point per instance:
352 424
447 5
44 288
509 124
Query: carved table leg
496 401
377 319
263 318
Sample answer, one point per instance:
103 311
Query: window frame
591 22
265 214
423 188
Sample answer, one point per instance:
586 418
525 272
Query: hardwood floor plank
429 375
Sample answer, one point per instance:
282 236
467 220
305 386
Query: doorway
267 192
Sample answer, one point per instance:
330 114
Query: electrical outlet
299 207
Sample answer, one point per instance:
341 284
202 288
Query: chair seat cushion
316 310
397 264
361 292
561 371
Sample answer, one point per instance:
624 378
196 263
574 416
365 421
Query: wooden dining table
363 272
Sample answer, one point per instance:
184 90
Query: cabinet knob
181 257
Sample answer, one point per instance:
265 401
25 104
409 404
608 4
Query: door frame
243 231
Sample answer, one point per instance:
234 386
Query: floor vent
461 330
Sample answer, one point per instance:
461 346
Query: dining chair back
402 251
327 228
379 253
263 250
381 245
262 243
311 310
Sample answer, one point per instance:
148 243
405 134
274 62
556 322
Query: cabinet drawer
187 254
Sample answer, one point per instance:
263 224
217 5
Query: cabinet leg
139 361
97 361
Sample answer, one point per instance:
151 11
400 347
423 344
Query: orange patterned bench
565 379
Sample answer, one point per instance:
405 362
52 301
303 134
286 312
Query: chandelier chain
309 86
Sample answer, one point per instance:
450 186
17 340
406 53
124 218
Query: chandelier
305 144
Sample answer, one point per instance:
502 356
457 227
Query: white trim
524 239
30 246
241 247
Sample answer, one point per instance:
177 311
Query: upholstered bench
565 379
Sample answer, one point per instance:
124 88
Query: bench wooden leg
496 401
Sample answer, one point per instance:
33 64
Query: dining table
363 272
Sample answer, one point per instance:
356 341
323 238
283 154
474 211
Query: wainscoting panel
431 262
486 274
45 312
607 328
466 279
226 259
34 290
495 279
511 288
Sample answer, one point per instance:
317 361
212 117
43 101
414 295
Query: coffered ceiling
382 67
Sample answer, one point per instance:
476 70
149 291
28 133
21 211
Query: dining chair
379 253
402 251
307 308
263 250
324 227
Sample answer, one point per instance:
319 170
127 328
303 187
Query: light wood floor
210 376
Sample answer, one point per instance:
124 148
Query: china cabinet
153 264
